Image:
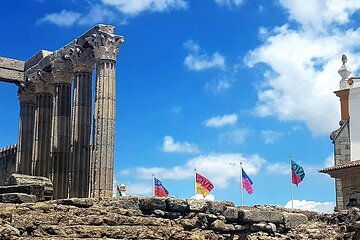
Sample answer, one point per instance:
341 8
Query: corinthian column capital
82 59
42 81
62 71
106 46
26 93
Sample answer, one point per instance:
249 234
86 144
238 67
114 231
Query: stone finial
82 59
344 73
106 46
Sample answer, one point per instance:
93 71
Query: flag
246 182
118 191
203 185
159 189
297 173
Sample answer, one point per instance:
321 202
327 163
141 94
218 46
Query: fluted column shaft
104 129
61 139
25 138
42 135
81 129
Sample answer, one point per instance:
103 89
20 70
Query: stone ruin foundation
57 117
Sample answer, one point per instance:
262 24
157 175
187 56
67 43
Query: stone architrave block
255 216
17 198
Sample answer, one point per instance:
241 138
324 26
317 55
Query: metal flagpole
195 182
241 185
153 184
291 184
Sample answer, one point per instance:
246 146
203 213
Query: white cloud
64 18
209 197
113 11
138 6
139 189
216 167
278 168
99 14
178 147
319 15
329 161
229 3
198 60
236 135
303 64
220 121
218 86
323 207
270 136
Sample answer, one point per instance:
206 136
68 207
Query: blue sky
206 83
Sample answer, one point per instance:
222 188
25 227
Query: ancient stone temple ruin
57 116
346 141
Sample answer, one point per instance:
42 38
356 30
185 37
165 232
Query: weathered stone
294 219
77 202
152 203
261 226
37 190
22 179
17 198
176 205
231 214
249 216
218 207
126 202
197 205
8 232
220 226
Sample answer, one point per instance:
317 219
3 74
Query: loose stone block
152 203
292 220
249 216
77 202
197 205
176 205
231 214
17 198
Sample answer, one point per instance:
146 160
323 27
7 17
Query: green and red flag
297 173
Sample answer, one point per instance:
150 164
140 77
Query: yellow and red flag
203 185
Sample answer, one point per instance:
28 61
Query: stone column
83 64
26 130
61 134
43 119
105 49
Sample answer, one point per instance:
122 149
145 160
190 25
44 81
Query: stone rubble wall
7 162
164 218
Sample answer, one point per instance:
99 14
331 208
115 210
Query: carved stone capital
42 81
82 59
62 71
26 93
106 46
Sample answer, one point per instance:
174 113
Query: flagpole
153 185
195 182
291 184
241 185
